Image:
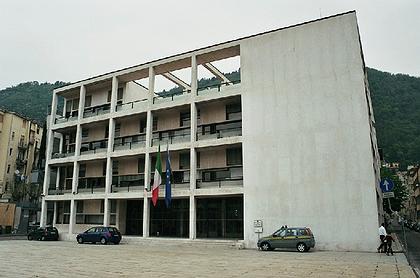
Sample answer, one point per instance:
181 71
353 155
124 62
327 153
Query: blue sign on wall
387 185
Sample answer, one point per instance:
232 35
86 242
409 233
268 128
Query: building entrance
172 221
134 218
220 218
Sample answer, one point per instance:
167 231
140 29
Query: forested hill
30 99
395 98
396 105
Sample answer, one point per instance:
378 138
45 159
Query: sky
73 40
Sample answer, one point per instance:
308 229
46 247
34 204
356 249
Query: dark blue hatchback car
100 234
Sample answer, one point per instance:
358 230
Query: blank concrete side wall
99 97
134 92
213 159
94 169
213 113
306 135
96 132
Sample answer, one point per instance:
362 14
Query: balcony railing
94 146
126 183
91 184
130 142
164 97
201 90
219 130
62 155
172 136
131 105
96 110
64 187
70 116
220 177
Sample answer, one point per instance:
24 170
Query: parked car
100 234
300 238
46 233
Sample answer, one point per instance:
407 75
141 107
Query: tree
400 191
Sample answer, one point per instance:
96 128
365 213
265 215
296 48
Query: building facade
412 205
287 138
20 141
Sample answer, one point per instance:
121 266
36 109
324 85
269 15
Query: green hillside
395 97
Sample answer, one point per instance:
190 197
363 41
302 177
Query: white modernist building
287 139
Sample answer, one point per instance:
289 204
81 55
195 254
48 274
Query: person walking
382 235
389 239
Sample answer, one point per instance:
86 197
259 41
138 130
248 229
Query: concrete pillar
55 214
107 212
72 221
75 178
114 93
146 217
108 177
60 148
194 71
43 219
53 109
82 97
57 181
64 107
193 219
78 142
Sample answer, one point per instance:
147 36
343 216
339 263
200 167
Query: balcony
91 184
64 187
70 116
98 146
130 142
219 130
96 110
173 136
131 105
22 145
69 151
229 176
216 87
125 183
166 97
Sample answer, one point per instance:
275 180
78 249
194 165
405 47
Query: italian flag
157 179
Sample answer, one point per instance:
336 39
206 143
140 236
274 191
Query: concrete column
72 221
43 219
146 217
114 93
60 147
108 177
151 85
53 109
193 219
57 181
194 75
82 97
55 214
75 178
107 211
78 142
64 107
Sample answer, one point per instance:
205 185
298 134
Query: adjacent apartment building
20 141
287 139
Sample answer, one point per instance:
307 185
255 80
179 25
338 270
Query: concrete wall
306 135
98 96
96 132
212 158
134 92
130 126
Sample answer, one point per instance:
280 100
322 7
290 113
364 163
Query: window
37 130
234 156
82 170
13 135
85 133
109 96
115 165
185 118
8 169
142 126
102 206
75 104
198 159
155 123
88 101
10 151
140 165
106 132
113 204
104 168
198 116
233 111
117 130
79 206
120 94
184 161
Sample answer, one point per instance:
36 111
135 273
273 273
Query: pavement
411 244
19 258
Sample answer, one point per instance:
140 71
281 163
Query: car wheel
103 241
42 238
265 246
80 240
301 247
30 237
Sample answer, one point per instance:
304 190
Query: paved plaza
21 258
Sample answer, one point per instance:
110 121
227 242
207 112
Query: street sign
257 223
386 185
388 195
